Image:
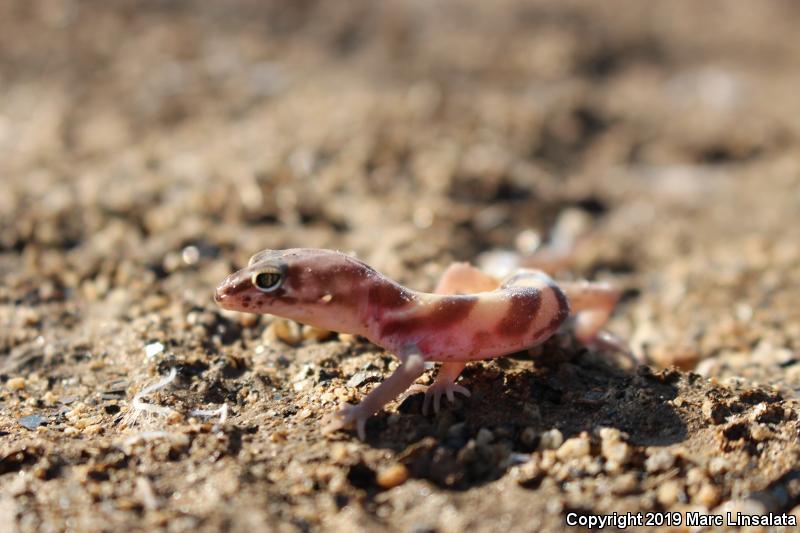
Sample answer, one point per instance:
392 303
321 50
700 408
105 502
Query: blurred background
412 133
147 148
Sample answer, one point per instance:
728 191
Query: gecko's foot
434 392
607 341
347 417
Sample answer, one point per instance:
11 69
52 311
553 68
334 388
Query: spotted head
323 288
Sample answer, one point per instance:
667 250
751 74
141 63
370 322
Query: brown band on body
384 294
343 280
443 313
523 306
563 303
560 316
480 340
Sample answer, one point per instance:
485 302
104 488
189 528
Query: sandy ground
149 148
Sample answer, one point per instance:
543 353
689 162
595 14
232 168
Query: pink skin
471 316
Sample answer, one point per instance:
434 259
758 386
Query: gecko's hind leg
463 278
591 304
406 374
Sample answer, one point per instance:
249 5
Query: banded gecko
470 315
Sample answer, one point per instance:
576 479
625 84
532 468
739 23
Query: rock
362 377
286 330
316 334
684 357
616 451
484 437
16 384
669 493
707 496
153 349
624 484
718 465
551 440
574 448
392 476
32 422
659 461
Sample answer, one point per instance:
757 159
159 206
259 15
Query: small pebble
624 484
695 476
153 349
287 330
659 461
718 465
392 476
669 493
248 320
362 377
527 241
760 432
94 429
684 357
573 448
49 398
616 451
745 507
484 437
708 495
457 431
551 440
316 334
190 255
31 422
16 384
175 417
278 436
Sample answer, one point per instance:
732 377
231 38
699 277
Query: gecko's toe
607 341
459 389
345 418
361 428
436 391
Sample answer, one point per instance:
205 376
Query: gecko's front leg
458 278
407 373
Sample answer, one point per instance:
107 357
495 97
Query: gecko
469 316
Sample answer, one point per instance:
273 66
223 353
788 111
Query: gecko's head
302 284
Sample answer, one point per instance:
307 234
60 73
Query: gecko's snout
219 295
231 285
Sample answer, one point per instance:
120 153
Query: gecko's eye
267 280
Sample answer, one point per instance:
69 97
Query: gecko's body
470 316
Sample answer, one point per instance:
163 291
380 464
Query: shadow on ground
476 439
